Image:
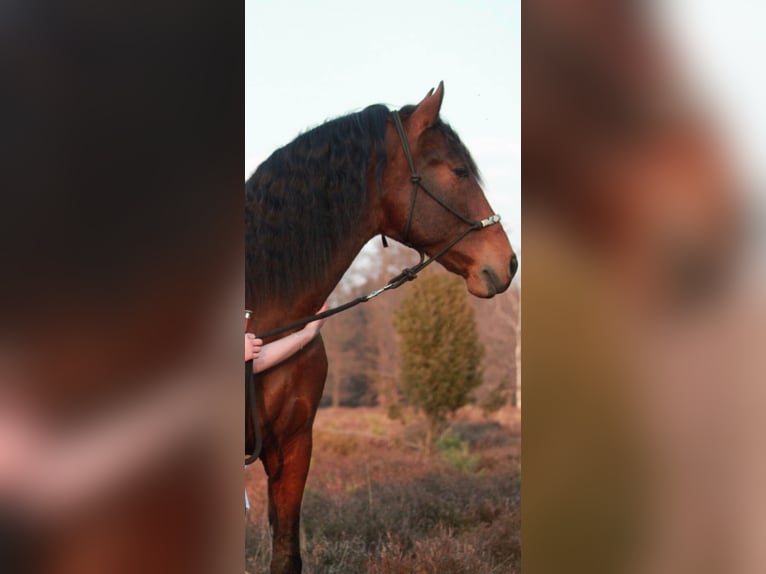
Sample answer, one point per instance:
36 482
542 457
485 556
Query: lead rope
414 177
407 274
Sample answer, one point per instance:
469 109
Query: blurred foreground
644 305
121 299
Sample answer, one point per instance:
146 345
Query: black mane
303 200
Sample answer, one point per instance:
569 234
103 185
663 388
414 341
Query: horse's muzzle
492 282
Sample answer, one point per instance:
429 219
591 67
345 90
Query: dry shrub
483 434
445 552
440 523
257 547
342 444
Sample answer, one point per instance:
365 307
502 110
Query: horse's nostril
514 265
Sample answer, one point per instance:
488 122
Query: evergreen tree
440 351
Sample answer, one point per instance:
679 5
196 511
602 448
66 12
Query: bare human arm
266 356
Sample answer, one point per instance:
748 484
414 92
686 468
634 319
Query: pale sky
306 62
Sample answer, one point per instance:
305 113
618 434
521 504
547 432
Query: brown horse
310 208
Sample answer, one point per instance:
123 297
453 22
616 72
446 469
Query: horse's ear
427 111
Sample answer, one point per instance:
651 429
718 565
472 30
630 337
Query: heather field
375 504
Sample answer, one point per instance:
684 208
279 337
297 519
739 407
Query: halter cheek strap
417 183
414 177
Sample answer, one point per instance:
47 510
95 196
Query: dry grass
374 505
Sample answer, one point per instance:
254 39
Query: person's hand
314 326
252 346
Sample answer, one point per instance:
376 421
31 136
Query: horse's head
432 213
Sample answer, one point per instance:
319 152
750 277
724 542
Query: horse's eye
461 172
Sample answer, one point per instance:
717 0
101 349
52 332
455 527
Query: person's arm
269 355
282 349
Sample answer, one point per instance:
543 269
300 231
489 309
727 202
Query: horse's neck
319 281
316 291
